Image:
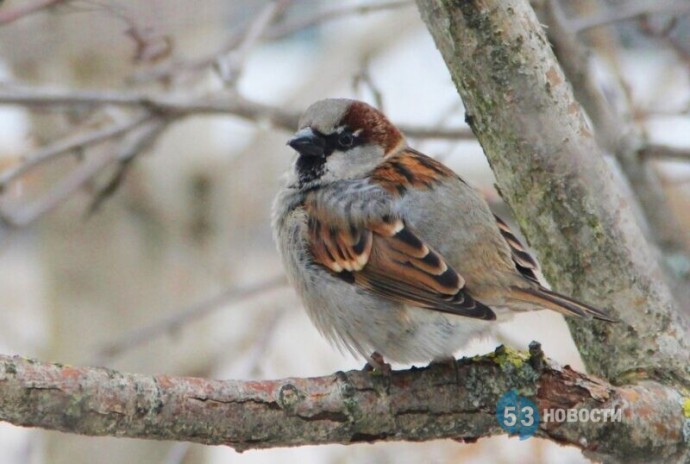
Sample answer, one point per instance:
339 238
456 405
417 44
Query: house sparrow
391 252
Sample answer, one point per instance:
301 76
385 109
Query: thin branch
75 181
231 64
462 133
441 121
666 37
676 182
158 110
46 97
150 43
67 145
8 16
339 12
178 107
178 319
664 152
178 453
255 355
141 142
455 401
64 189
278 31
627 11
168 106
363 81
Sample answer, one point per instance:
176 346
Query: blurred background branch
159 112
8 16
179 319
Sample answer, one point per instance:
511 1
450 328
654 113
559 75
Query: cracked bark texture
455 401
552 174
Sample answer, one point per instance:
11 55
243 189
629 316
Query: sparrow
392 253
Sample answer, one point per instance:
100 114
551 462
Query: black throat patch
309 169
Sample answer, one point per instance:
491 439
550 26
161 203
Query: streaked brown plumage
390 250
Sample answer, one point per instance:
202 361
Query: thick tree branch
552 174
614 130
442 401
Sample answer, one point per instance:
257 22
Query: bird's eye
345 140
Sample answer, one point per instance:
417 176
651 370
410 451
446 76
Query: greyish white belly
362 323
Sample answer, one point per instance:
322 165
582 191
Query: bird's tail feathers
563 304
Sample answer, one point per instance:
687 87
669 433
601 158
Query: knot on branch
289 397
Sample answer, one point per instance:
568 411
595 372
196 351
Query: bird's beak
308 143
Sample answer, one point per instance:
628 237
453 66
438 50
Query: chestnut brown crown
366 123
342 139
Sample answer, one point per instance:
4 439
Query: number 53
511 418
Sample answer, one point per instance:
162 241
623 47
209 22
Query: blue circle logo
517 415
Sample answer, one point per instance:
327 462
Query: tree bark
455 401
552 174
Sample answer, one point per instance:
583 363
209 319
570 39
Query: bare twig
78 178
68 145
441 121
230 65
627 11
338 12
461 133
178 107
139 143
169 106
278 31
363 78
262 343
46 97
665 36
9 16
664 152
60 192
159 111
173 322
178 453
677 181
150 43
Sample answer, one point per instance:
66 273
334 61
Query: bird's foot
377 364
447 363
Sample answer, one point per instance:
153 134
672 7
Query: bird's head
341 139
